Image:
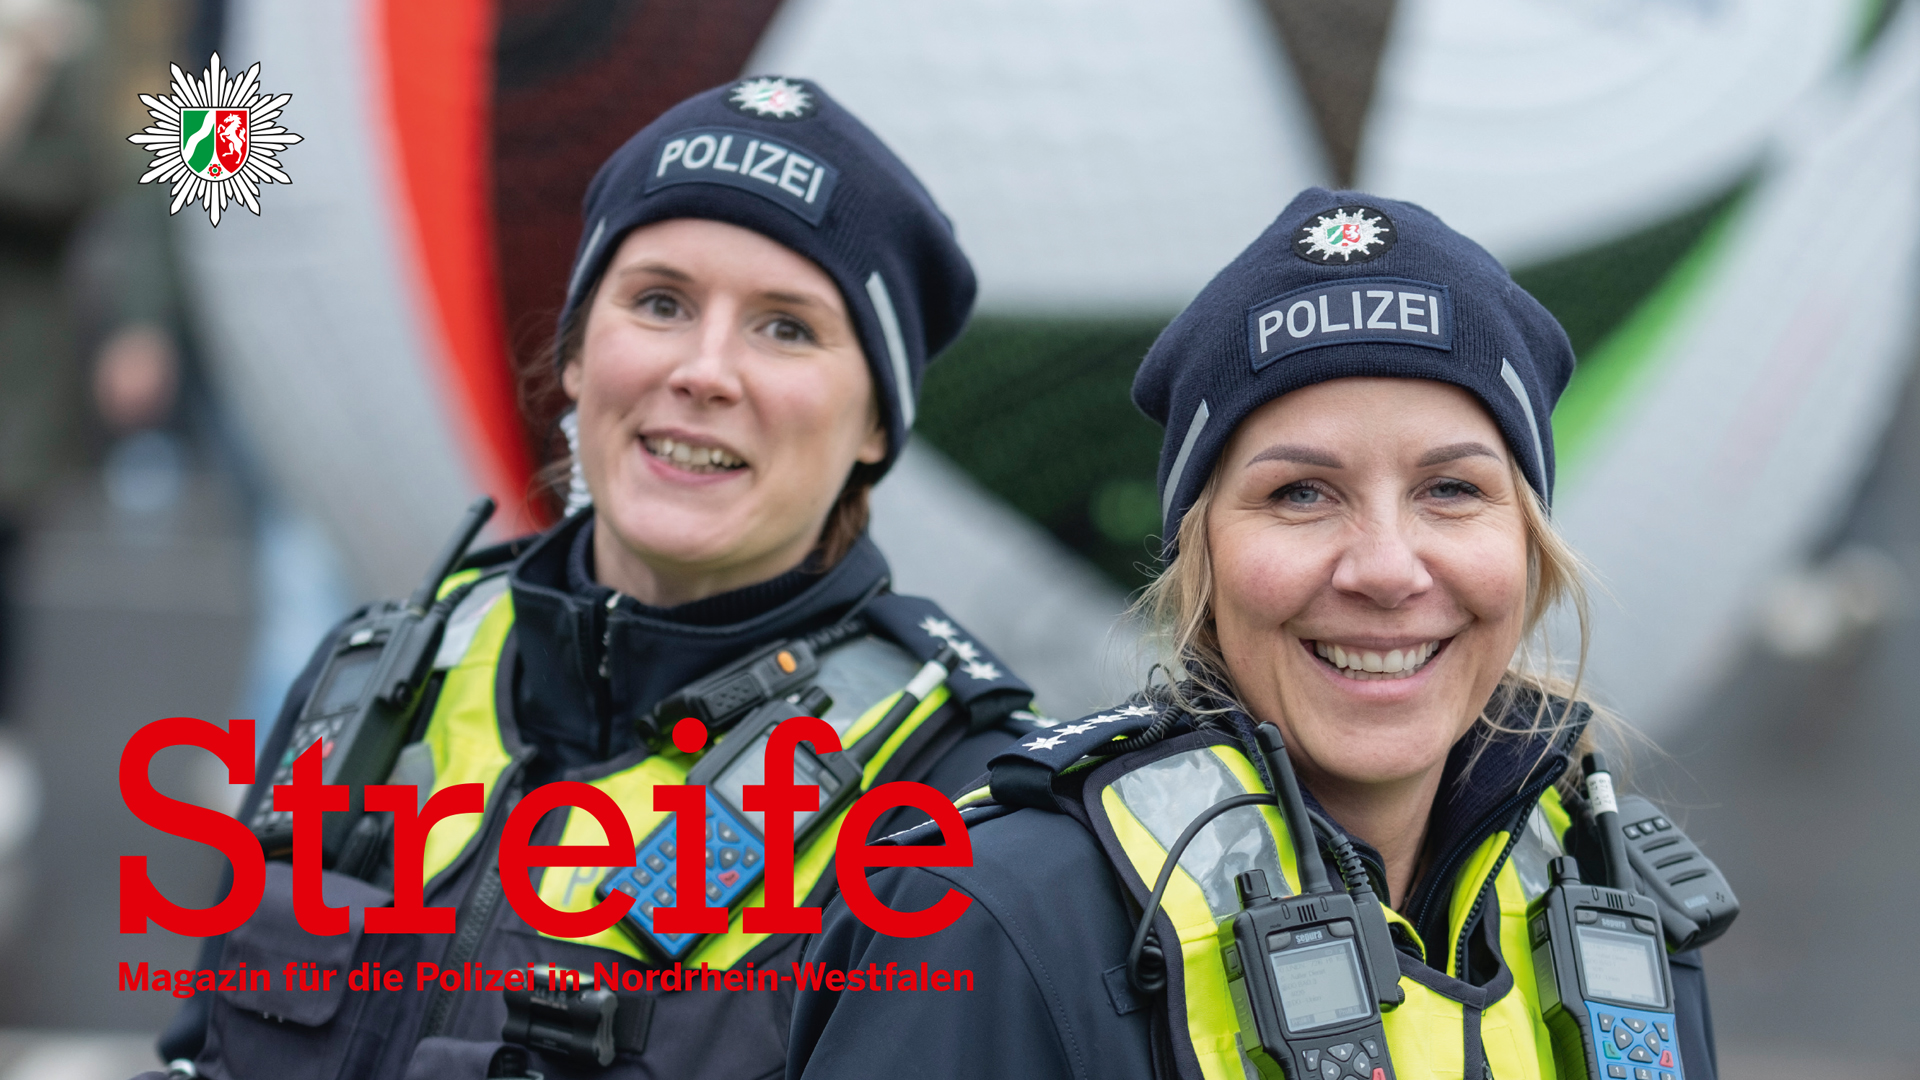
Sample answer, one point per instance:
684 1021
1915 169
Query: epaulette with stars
1022 773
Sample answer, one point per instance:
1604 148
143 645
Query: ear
873 448
570 379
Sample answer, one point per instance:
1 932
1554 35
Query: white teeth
1365 665
692 458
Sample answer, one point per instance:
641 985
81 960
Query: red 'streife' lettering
853 855
407 916
516 855
779 799
306 798
139 900
689 913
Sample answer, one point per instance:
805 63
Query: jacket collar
1490 780
593 663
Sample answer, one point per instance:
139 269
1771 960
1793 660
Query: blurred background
214 441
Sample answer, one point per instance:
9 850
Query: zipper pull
606 636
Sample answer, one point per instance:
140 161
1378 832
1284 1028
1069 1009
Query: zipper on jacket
476 912
1504 812
606 637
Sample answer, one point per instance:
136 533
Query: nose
708 373
1382 563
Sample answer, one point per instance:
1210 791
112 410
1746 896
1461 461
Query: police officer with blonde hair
1355 484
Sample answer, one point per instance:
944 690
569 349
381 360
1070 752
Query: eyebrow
671 273
1300 455
796 299
1455 452
656 269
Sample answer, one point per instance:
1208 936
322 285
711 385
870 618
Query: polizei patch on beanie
1345 235
780 173
1362 309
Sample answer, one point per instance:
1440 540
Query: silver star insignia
1136 710
1046 742
939 628
981 670
1077 729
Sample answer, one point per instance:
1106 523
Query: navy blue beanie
780 157
1345 284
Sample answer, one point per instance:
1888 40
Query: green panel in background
1037 409
1618 301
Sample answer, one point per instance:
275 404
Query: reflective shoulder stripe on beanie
1139 803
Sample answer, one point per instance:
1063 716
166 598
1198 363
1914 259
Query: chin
1389 748
674 536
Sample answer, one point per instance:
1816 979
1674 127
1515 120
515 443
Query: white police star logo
1351 234
214 139
772 98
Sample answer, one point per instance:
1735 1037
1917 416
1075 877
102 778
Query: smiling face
723 399
1369 557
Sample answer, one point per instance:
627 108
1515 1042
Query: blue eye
1298 495
1452 489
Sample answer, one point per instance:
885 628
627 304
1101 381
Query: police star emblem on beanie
1351 234
779 156
771 97
1344 284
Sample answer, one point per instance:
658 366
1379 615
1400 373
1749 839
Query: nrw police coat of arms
214 139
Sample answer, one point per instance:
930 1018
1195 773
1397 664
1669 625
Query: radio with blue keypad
736 849
1600 957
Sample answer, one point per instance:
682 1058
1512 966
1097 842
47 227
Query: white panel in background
314 316
1094 155
1538 127
1035 603
1743 448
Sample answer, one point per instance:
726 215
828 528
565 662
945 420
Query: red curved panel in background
437 57
498 116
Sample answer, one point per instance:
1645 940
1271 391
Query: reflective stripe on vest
467 746
1139 804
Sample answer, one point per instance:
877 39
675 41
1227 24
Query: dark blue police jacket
1046 940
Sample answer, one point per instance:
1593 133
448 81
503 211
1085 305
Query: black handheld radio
362 709
735 842
1309 974
1601 962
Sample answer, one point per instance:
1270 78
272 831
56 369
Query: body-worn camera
362 709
